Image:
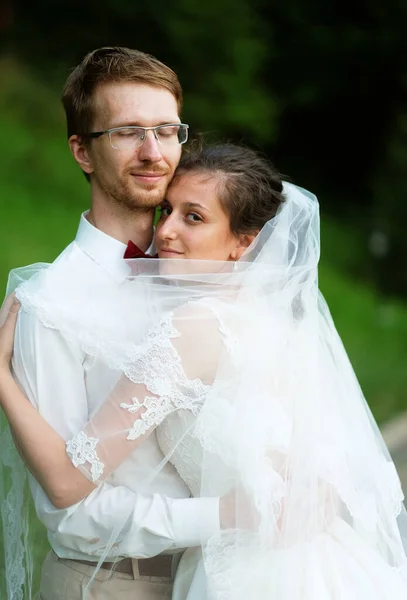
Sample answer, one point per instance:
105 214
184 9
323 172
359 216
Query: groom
116 101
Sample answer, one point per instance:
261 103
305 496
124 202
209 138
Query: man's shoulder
23 274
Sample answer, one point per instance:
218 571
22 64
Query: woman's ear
243 242
81 153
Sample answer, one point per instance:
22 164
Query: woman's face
193 224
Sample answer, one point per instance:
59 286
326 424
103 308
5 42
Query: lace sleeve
171 370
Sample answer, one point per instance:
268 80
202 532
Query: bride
243 379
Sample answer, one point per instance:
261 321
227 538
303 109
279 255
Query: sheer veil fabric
238 371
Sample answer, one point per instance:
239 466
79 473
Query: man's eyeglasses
129 138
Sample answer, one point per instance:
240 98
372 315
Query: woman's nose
168 228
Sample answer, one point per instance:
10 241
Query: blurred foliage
318 86
43 193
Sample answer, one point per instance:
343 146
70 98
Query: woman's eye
193 217
165 211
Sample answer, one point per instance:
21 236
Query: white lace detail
176 435
158 366
229 339
13 518
226 565
81 449
31 306
391 481
156 411
88 341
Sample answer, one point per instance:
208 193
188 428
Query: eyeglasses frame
98 134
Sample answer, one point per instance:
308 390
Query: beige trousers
66 580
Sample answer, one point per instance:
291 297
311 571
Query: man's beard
132 197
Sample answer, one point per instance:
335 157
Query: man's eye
130 133
168 131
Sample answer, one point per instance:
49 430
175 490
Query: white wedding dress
335 565
245 383
318 557
190 580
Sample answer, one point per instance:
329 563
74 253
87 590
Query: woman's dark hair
249 187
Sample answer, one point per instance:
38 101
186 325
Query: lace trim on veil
12 515
157 365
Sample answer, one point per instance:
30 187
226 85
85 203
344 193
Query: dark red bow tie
133 251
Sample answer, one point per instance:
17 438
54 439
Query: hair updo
249 188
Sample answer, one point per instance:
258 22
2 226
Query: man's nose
150 149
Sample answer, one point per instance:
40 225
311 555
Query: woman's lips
166 252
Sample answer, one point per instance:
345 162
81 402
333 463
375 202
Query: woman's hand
8 320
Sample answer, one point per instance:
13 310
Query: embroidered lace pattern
229 340
177 432
82 449
156 364
13 514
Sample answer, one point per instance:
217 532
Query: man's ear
81 153
243 242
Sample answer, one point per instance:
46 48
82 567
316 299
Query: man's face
133 178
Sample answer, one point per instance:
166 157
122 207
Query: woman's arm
126 417
40 446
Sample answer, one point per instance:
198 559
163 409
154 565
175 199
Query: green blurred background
318 86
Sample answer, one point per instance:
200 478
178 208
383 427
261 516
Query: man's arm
51 373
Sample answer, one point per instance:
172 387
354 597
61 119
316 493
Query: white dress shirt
67 385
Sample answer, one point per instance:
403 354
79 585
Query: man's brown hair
110 65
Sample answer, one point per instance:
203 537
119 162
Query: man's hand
8 320
236 511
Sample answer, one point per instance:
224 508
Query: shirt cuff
195 520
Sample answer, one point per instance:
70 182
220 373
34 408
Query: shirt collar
105 250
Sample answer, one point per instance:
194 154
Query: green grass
42 194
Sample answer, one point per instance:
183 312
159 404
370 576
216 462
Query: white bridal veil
238 371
